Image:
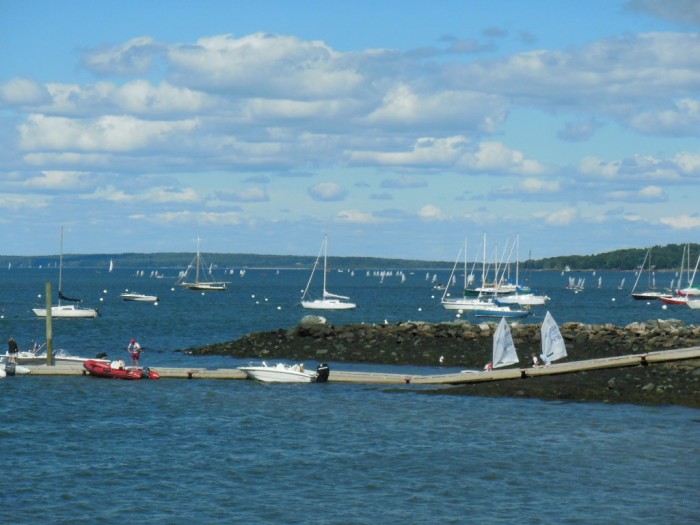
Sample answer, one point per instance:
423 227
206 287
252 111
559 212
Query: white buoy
613 299
420 309
279 307
663 307
102 299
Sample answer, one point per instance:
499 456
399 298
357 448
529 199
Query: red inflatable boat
116 369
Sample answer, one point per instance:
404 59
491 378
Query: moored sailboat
65 310
201 282
328 301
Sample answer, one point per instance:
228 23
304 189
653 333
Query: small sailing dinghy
553 346
504 352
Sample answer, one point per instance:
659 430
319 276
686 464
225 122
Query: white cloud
356 217
404 182
562 217
58 181
22 92
682 222
327 191
132 57
151 196
108 133
432 213
264 64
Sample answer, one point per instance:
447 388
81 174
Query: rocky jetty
457 343
469 345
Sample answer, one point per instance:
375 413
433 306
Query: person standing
134 350
12 350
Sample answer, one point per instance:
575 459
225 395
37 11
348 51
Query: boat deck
338 376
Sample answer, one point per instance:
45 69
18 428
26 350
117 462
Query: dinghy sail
553 346
504 352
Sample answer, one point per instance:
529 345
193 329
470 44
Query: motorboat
138 297
12 369
38 357
284 373
118 370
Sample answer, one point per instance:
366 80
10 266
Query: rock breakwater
458 343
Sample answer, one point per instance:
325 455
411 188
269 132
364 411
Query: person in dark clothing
12 350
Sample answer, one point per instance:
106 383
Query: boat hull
105 369
279 374
67 311
139 298
328 304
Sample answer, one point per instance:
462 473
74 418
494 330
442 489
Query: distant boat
328 301
138 297
201 282
66 310
111 265
504 352
553 346
651 292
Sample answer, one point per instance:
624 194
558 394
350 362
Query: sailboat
651 292
504 353
553 346
66 310
201 282
328 301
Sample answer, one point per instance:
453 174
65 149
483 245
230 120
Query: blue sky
398 128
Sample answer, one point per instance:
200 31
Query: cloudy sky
396 127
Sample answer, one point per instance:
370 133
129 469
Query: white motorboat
283 373
328 301
28 357
14 370
138 297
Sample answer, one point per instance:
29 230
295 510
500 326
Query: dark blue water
178 451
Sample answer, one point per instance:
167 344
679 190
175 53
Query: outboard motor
10 369
145 373
322 373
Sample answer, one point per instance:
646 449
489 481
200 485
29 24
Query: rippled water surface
177 451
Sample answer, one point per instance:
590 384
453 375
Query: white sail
504 353
553 346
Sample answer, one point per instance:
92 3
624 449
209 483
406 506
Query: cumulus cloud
59 181
108 133
23 92
356 217
432 213
327 191
132 57
456 153
682 222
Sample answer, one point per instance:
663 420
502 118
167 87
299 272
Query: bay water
214 451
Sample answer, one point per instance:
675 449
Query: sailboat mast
325 262
60 270
196 271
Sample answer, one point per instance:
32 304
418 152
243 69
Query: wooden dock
646 359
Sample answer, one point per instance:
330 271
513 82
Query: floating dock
339 376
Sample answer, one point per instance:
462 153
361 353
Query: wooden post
49 328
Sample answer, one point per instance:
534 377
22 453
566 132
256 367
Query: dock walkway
338 376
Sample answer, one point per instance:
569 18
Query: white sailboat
652 292
201 281
504 352
328 301
553 346
66 310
